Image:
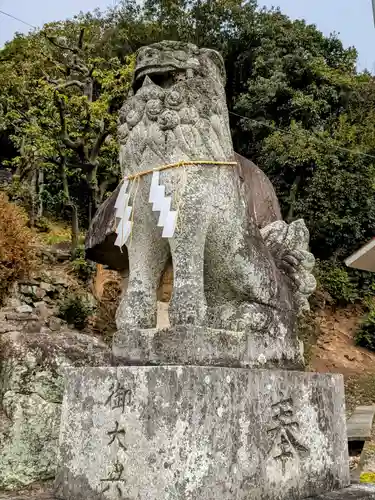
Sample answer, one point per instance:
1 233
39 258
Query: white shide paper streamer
162 204
123 214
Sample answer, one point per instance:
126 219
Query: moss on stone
367 477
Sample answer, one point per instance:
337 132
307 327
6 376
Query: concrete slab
359 425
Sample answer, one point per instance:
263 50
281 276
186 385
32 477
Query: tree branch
70 83
79 67
103 133
80 39
76 145
60 46
60 85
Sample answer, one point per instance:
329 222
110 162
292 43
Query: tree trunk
90 208
292 199
94 195
73 209
75 228
98 284
33 194
40 193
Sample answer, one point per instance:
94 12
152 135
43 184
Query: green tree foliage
62 91
298 107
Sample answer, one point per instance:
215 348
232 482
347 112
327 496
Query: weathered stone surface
24 309
25 316
26 289
13 302
47 287
55 324
42 310
191 345
354 492
29 495
289 244
31 391
33 327
40 293
5 327
182 433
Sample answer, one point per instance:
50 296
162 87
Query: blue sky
352 19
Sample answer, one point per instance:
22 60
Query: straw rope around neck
180 164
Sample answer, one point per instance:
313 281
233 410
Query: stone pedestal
201 433
192 345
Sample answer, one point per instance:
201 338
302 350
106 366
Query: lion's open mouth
163 76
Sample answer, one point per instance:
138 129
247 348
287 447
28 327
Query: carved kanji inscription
118 436
284 431
119 396
115 480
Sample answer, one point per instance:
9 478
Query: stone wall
35 348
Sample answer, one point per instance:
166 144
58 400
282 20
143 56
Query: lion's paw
289 245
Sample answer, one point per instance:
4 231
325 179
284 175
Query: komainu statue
184 197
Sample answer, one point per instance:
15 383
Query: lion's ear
214 60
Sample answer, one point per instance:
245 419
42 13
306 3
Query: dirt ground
335 352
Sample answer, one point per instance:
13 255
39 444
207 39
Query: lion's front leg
188 303
147 259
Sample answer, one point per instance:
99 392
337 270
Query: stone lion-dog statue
228 273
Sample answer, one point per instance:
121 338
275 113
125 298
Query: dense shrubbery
17 252
335 279
83 268
344 285
75 310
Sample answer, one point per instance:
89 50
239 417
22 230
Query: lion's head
176 109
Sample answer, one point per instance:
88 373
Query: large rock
201 433
31 392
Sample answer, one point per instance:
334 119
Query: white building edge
364 258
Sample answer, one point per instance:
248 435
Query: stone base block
193 345
201 433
